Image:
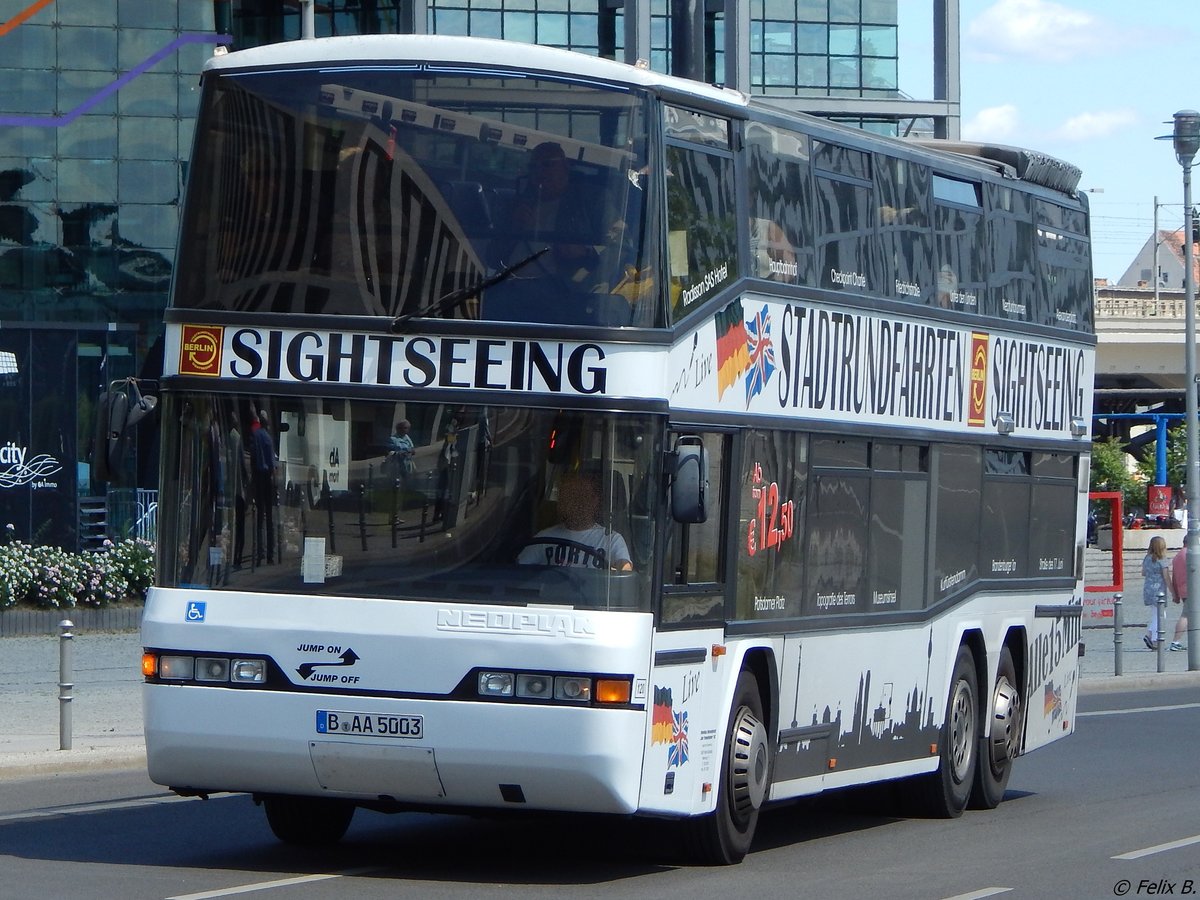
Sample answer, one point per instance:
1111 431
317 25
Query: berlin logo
200 350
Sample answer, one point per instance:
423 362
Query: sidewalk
106 709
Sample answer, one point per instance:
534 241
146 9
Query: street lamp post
1186 138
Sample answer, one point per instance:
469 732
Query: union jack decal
677 752
762 354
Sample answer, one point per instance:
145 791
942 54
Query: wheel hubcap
749 764
1006 727
962 730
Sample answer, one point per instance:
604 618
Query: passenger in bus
578 540
544 215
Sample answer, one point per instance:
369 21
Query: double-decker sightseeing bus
545 433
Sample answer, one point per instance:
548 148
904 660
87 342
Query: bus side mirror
120 408
689 481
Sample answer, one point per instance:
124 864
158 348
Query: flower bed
52 578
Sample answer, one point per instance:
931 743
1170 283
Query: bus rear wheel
998 750
723 837
308 821
943 794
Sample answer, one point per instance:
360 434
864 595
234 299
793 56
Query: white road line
980 894
1160 848
1139 709
271 885
58 811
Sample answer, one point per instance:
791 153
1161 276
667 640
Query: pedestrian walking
1156 569
1179 585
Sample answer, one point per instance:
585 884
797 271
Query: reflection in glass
458 511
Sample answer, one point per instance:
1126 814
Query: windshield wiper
449 301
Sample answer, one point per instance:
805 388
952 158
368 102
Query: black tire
998 750
723 837
943 794
308 821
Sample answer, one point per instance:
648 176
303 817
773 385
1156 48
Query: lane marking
85 808
271 885
980 894
1160 848
1139 709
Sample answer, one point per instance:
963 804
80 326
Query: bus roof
466 51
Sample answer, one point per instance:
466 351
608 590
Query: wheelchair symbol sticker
195 611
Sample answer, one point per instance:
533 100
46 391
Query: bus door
689 685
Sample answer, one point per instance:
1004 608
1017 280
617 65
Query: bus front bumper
468 754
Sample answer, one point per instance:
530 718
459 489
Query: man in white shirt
579 540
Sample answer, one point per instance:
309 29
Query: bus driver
579 540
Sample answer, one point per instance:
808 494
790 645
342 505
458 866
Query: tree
1110 472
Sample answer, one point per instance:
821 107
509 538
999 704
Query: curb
81 760
34 622
1142 681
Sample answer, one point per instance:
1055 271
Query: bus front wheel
998 750
944 793
723 837
308 821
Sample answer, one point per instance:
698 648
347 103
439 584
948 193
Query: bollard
65 674
1118 635
1161 612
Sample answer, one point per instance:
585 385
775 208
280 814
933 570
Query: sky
1092 82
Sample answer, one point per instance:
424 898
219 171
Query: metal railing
145 526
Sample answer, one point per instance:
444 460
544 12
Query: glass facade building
96 126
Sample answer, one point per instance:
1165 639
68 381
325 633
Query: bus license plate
372 724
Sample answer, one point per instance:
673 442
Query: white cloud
1089 125
1035 29
996 123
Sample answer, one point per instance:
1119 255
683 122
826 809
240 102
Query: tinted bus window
1064 268
957 502
960 247
845 225
1012 282
770 577
838 537
905 236
702 231
838 527
781 214
1005 532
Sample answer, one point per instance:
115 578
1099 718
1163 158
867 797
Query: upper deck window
701 221
390 192
845 219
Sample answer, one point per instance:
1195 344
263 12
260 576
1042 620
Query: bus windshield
414 501
410 192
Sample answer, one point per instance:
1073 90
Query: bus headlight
573 688
496 684
210 668
176 668
248 671
212 671
538 687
